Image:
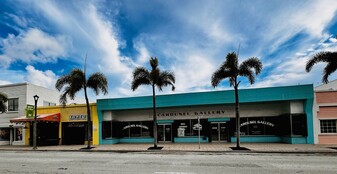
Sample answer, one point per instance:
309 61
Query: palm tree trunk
155 133
88 118
237 115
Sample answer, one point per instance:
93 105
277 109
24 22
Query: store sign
30 111
192 113
257 122
135 125
75 125
78 117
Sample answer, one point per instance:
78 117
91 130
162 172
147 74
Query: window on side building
13 104
328 126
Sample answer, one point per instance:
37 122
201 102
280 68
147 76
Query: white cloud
144 54
32 46
194 70
21 21
41 78
92 32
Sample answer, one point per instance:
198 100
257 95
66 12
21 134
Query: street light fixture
36 98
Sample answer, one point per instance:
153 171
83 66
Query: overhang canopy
55 117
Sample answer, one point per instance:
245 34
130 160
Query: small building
326 100
275 114
62 125
19 96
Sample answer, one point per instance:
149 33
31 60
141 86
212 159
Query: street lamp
36 98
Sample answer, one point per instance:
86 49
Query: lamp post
36 98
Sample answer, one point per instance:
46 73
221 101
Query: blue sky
42 40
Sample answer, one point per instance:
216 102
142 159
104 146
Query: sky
42 40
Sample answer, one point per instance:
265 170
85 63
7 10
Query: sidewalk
187 147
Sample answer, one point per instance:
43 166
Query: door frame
219 132
164 135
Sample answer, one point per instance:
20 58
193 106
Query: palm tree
3 100
155 78
232 70
328 57
76 81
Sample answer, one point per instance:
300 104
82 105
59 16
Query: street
163 163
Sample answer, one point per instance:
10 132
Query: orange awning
42 117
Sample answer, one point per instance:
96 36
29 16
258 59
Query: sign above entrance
192 113
78 117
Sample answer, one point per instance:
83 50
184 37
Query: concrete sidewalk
188 147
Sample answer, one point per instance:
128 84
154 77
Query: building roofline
205 92
14 84
283 93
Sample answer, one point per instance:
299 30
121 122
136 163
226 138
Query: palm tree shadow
239 148
155 148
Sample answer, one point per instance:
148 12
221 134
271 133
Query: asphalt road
172 163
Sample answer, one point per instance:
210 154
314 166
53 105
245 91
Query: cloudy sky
42 40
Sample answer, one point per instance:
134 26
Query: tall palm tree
155 78
76 81
328 57
232 70
3 100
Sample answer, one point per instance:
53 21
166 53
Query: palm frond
3 100
98 82
328 70
231 62
165 78
246 72
154 62
321 57
251 63
141 76
3 97
220 75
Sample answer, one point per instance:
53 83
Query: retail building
19 96
62 125
326 100
276 114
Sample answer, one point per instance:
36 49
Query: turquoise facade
286 93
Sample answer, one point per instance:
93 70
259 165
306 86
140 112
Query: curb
176 151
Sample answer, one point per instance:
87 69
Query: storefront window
4 134
126 129
189 127
258 126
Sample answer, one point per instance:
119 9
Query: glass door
223 132
165 133
219 132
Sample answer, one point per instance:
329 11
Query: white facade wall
226 111
24 92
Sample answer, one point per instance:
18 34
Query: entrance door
73 133
219 132
165 132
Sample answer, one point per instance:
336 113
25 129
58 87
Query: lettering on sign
78 117
257 122
135 125
192 113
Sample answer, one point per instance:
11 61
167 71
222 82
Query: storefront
277 114
69 128
47 128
